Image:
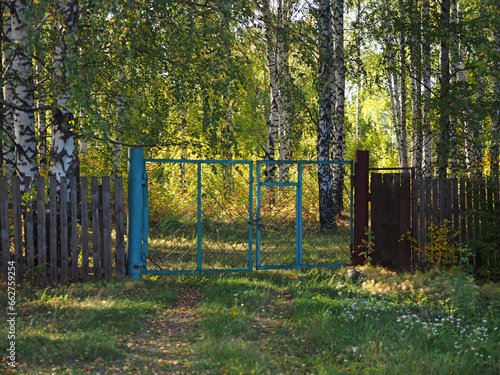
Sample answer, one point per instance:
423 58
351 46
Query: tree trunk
426 94
283 54
325 66
443 146
41 121
337 130
416 92
273 121
455 68
403 93
120 119
23 94
495 120
64 161
8 144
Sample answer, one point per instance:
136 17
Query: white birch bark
337 130
273 121
41 121
426 93
455 68
403 92
416 92
8 144
325 66
443 149
64 161
120 118
495 120
23 94
283 54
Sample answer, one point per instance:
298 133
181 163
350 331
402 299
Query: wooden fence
405 211
72 236
458 202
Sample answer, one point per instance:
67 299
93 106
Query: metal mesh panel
199 215
290 232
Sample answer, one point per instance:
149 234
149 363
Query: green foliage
486 241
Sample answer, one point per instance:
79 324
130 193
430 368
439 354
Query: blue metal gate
289 230
193 216
199 216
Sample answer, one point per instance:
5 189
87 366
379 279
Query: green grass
286 322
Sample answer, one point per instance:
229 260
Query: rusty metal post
361 197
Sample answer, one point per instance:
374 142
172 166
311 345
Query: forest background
416 82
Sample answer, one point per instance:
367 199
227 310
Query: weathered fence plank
95 228
106 227
29 231
120 229
63 229
53 229
74 229
4 226
18 228
85 224
43 230
41 227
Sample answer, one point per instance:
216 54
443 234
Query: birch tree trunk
325 67
64 161
337 130
443 149
273 121
41 121
8 144
23 94
403 92
495 120
426 94
283 54
120 118
455 67
416 92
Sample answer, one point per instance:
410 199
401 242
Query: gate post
135 209
361 181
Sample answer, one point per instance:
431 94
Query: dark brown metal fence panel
403 229
85 224
4 226
120 229
391 219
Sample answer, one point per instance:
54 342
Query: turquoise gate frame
275 253
190 230
138 244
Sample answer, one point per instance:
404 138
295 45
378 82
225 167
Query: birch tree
23 93
8 140
325 68
337 106
416 92
64 160
272 66
495 120
284 79
403 90
443 146
426 93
